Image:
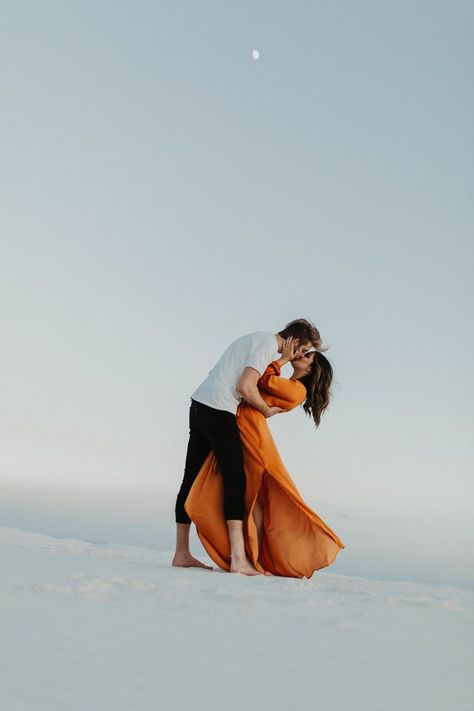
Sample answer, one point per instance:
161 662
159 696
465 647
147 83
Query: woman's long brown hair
318 387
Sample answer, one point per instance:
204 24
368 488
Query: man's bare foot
186 560
242 566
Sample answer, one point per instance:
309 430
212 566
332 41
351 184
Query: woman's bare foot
242 566
186 560
267 572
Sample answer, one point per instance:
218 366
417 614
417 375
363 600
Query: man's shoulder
257 340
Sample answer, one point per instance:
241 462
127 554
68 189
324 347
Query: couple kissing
248 512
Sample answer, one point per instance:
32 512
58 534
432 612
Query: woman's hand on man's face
291 349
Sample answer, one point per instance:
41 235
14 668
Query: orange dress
296 542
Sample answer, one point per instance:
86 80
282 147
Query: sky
163 193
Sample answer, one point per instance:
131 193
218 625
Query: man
213 426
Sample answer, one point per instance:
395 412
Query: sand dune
103 626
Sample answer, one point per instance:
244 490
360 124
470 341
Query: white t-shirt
255 350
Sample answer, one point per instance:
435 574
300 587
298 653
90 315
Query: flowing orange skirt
296 542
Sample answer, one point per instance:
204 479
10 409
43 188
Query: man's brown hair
305 331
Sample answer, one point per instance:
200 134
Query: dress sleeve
286 393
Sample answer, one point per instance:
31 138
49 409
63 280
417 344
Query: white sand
88 627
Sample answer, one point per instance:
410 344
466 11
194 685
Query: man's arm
247 389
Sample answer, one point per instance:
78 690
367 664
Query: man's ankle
238 557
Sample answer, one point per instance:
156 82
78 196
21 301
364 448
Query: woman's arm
282 361
286 393
289 351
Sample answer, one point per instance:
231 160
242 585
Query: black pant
217 430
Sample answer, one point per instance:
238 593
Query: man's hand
248 390
273 411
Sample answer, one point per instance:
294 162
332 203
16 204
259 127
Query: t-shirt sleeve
260 355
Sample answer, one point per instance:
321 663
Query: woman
283 536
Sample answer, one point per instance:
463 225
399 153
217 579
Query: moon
255 54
